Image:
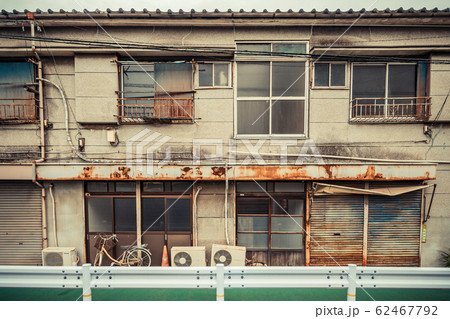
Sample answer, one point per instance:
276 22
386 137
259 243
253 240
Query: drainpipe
226 203
41 120
44 208
41 93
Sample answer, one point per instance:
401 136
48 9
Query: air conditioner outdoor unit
227 255
59 256
188 256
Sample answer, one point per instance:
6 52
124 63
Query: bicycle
132 256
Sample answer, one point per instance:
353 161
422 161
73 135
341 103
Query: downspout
54 215
42 131
194 217
226 203
41 93
44 208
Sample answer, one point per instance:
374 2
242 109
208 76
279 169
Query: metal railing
23 110
220 278
402 109
156 109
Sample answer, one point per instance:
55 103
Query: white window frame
270 59
197 76
330 87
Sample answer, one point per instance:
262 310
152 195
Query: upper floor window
17 84
156 92
389 92
329 75
271 89
215 74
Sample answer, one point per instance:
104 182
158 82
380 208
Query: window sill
271 137
330 88
213 87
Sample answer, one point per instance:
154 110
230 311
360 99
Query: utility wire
111 45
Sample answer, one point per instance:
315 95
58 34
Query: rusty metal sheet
179 172
394 230
20 224
336 230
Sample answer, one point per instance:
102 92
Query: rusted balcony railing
156 109
402 109
19 110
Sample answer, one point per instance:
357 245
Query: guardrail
220 278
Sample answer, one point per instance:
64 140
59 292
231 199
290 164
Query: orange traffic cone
165 258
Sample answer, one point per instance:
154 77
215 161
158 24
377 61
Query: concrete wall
69 211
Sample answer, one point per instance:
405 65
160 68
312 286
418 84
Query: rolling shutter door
394 230
336 230
20 224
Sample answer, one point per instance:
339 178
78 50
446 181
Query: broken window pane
289 206
253 117
321 74
288 117
205 74
253 79
288 79
337 75
220 74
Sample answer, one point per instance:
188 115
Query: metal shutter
20 224
394 230
336 229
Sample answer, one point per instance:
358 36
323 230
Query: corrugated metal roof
230 13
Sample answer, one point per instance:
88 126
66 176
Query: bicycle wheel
139 257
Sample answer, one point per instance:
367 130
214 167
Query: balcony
23 110
163 110
390 110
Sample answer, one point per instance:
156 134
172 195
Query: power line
230 52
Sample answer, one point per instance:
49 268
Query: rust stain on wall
218 171
125 171
186 173
87 172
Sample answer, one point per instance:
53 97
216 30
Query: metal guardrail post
220 278
87 293
351 291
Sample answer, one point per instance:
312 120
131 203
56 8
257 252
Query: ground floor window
165 215
270 221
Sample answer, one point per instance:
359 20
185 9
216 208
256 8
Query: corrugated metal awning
322 189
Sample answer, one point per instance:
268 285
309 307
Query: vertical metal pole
138 215
220 291
87 293
351 291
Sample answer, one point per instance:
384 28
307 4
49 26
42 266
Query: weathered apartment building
310 138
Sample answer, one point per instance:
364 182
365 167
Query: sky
222 5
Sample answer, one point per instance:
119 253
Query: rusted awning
322 189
